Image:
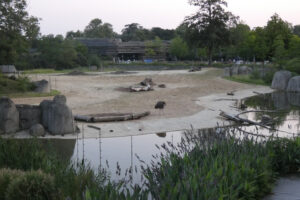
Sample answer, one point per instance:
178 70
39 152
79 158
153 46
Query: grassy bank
203 166
20 87
247 79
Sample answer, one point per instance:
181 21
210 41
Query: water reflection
286 120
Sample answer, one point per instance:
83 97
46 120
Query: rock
57 116
9 116
244 70
294 98
162 86
37 130
234 70
45 106
227 71
294 84
42 86
60 99
29 115
147 81
195 69
8 69
281 80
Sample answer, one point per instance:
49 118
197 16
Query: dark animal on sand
160 105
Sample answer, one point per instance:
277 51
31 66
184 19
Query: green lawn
30 94
246 79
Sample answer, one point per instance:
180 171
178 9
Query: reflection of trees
288 103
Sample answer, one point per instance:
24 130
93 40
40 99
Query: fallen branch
94 127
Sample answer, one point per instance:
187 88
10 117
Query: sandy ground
190 97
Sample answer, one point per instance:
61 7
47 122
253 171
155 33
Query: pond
111 152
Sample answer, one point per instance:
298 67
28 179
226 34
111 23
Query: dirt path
103 93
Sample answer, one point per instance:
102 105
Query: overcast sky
60 16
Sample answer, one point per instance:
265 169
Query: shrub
293 65
6 177
33 185
255 74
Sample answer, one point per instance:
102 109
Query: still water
107 152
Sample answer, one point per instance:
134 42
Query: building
123 51
8 69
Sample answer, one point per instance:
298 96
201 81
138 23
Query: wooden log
94 127
120 117
83 118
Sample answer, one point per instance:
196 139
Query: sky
61 16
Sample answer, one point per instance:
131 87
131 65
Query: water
107 152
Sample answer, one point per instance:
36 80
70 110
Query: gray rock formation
57 117
37 130
45 106
244 70
234 70
9 116
293 98
42 86
8 69
227 71
294 84
281 80
29 115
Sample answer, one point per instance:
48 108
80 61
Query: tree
296 30
16 28
279 51
96 29
153 47
179 48
276 28
134 32
211 22
164 34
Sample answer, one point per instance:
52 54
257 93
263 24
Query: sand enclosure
187 96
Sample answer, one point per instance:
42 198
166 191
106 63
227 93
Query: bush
255 74
6 177
33 185
293 65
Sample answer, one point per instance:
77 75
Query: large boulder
37 130
244 70
294 84
234 70
8 69
57 117
294 98
281 80
45 106
29 115
9 116
227 71
42 86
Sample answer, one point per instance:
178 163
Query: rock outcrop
236 70
37 130
57 117
294 84
42 86
9 116
29 115
281 80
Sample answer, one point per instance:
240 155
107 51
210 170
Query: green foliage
247 79
293 65
94 60
210 23
17 85
33 185
179 48
215 166
96 29
6 177
17 30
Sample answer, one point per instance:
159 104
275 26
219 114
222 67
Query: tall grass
216 165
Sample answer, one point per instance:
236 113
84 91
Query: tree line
212 33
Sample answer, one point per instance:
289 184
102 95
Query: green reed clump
220 166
